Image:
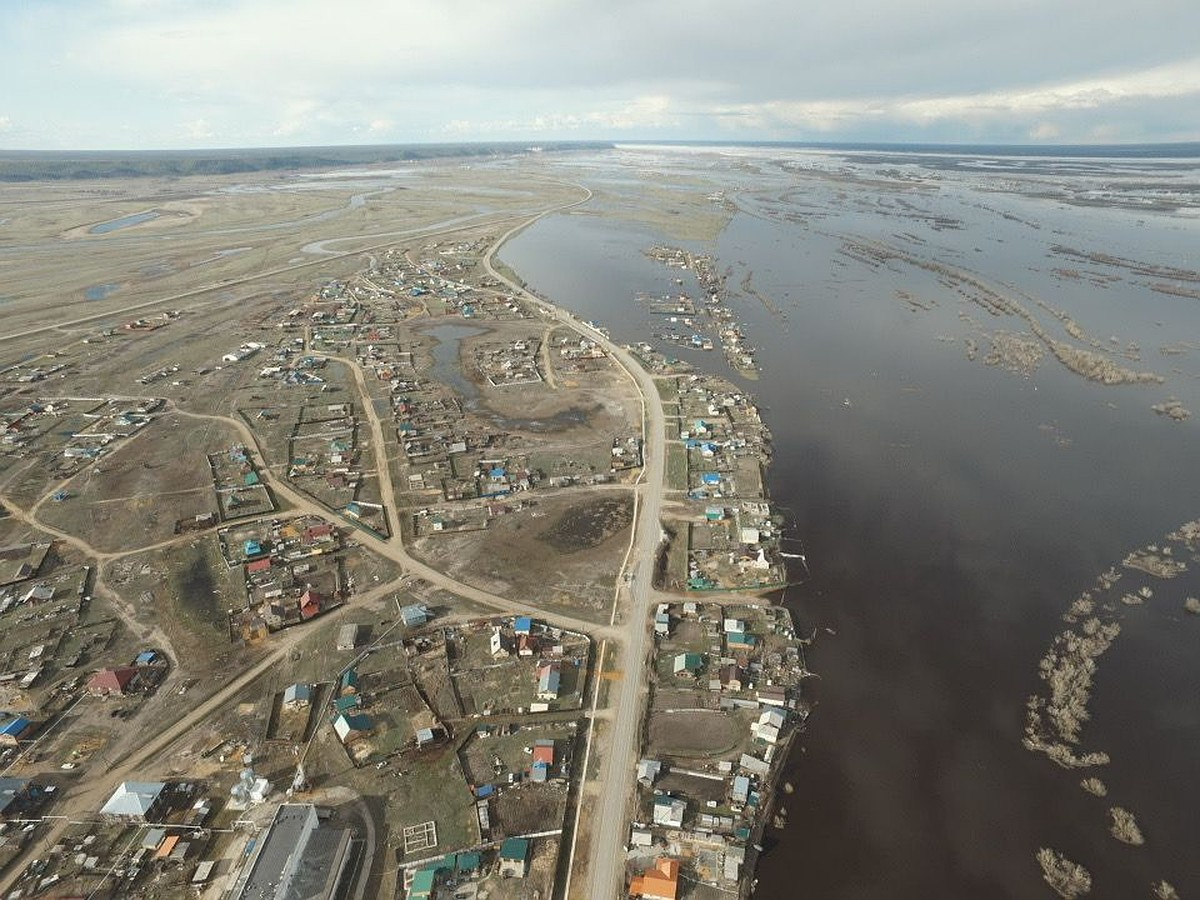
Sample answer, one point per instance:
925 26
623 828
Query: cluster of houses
510 860
94 427
529 639
733 540
238 486
291 570
509 364
40 611
750 668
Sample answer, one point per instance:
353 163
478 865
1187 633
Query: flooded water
447 365
950 510
124 222
100 291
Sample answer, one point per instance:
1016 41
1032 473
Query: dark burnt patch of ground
589 524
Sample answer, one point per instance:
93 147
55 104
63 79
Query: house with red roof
111 681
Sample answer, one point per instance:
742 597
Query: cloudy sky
118 74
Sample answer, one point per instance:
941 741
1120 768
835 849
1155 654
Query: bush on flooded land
1124 826
1068 879
1094 786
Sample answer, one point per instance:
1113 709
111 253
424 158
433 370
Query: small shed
347 637
467 863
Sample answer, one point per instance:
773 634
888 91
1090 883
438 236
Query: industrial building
301 858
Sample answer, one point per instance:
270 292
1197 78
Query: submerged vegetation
1053 724
1094 786
1068 879
1055 717
1172 409
1124 826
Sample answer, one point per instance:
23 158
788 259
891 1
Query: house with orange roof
660 883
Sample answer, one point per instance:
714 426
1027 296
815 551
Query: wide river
950 510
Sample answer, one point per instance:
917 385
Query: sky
170 74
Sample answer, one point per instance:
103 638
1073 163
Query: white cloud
1045 132
1159 83
198 130
311 71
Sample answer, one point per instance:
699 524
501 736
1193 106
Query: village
386 730
684 323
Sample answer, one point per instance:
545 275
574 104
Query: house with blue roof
297 695
12 730
549 677
414 614
523 625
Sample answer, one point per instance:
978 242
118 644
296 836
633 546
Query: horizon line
599 143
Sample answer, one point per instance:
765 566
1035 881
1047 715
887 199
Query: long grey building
300 858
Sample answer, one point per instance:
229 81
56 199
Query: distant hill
37 165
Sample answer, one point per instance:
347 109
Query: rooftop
299 858
133 798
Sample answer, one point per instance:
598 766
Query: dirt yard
563 554
695 733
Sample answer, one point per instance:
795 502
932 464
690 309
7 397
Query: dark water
950 515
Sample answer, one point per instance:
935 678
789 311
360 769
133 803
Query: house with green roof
424 882
514 858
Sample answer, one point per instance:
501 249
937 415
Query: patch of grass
677 467
434 788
